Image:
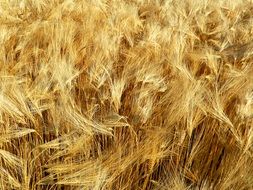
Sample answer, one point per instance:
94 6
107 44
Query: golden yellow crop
126 94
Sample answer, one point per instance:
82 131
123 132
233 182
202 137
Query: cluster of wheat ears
126 94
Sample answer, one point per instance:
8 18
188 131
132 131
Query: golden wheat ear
126 94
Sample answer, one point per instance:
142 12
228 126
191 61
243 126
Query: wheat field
126 94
